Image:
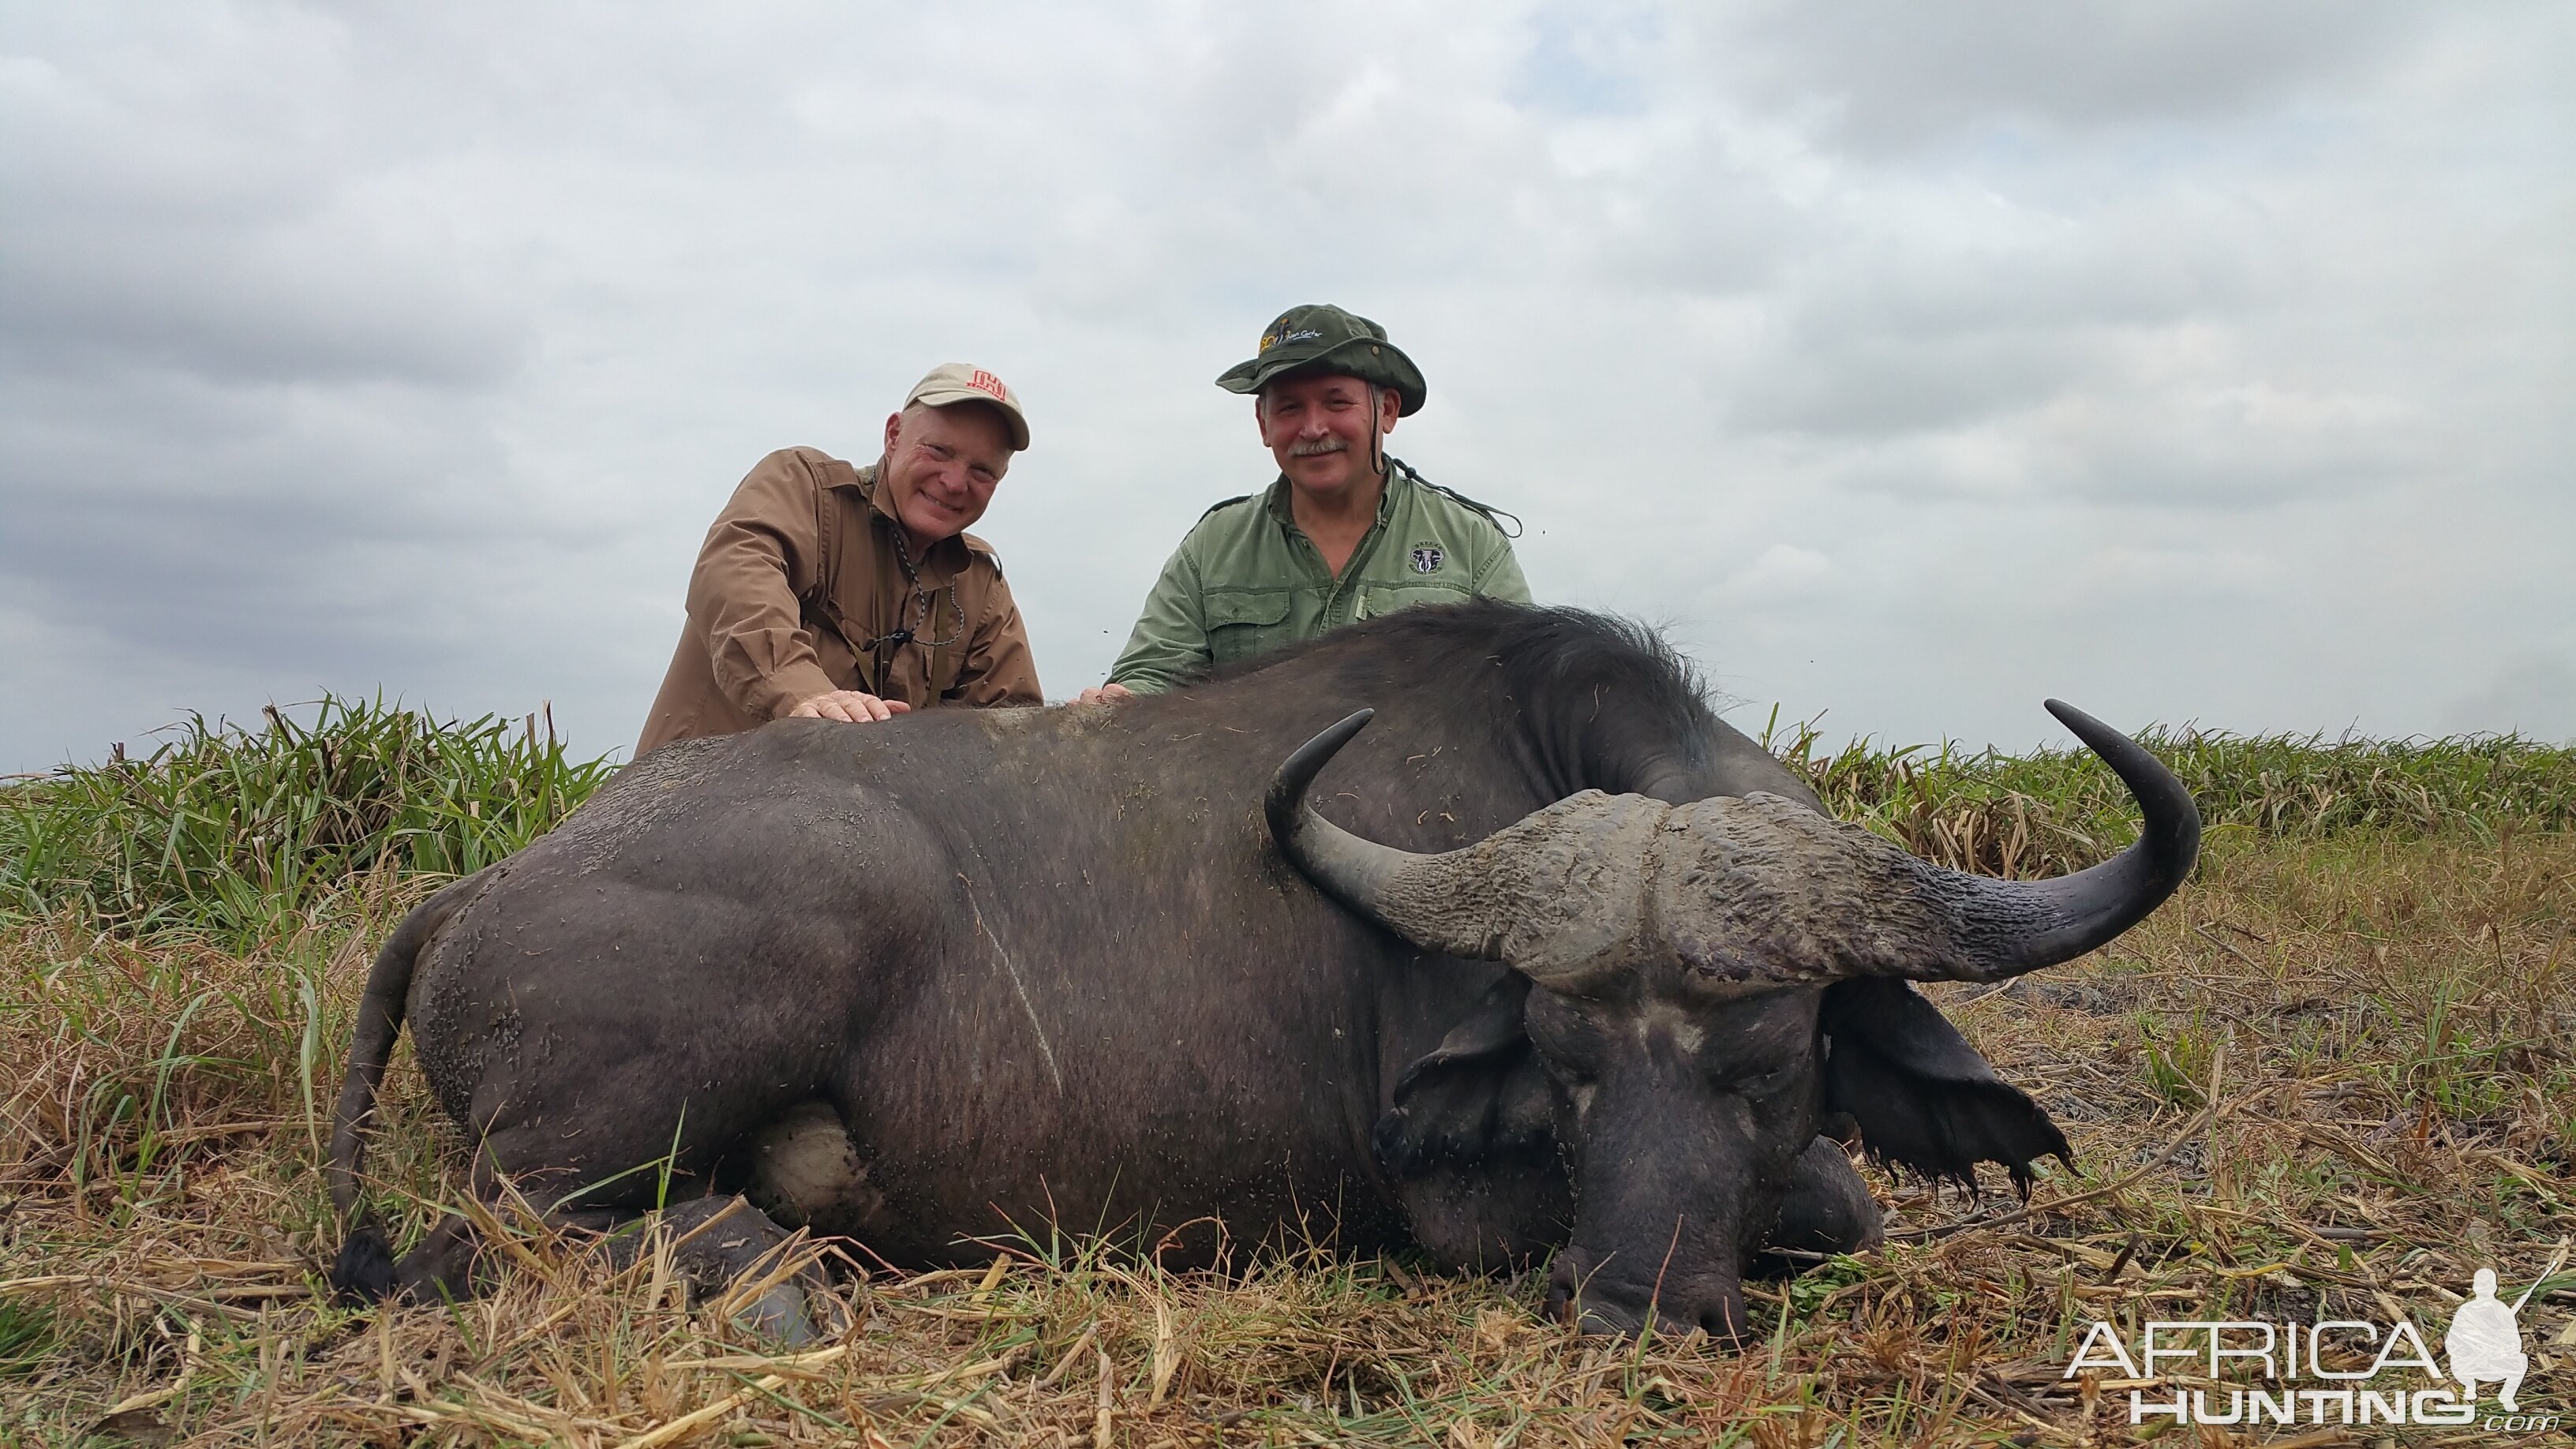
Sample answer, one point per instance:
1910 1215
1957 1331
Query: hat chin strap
1377 436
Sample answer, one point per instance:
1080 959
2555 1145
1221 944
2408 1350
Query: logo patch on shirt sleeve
1427 558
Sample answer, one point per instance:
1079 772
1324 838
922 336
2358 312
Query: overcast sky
1908 363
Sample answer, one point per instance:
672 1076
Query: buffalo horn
2004 928
1560 893
1350 870
1463 902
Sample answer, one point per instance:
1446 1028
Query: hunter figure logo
2485 1342
2356 1371
1427 557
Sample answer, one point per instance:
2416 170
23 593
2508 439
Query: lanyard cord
1379 460
1493 515
882 648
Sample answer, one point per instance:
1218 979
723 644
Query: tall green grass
2055 810
242 835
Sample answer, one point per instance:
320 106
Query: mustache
1318 448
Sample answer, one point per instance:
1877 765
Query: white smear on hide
1018 988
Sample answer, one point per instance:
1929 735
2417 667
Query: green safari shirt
1247 579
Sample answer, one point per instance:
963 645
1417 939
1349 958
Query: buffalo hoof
722 1241
779 1315
806 1173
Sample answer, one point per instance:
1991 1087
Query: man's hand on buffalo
851 706
1104 694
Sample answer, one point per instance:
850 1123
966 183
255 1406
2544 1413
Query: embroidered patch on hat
989 383
1427 557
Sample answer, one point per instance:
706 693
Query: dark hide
1921 1096
1047 966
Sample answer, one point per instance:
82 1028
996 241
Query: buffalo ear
1923 1097
1482 1091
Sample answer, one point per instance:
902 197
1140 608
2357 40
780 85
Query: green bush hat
1320 338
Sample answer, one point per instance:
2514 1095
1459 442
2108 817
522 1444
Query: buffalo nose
1565 1285
1580 1296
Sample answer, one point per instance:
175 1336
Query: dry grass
2356 1051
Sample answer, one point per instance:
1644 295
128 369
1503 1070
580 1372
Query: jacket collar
1277 499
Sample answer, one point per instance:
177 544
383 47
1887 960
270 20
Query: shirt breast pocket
1240 625
1378 600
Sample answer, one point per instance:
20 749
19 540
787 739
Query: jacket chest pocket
919 670
948 659
935 659
1376 601
1240 625
833 647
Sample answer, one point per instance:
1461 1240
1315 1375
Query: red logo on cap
989 383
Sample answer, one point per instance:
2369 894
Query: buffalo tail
364 1270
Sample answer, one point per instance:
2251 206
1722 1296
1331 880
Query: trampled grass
2331 1079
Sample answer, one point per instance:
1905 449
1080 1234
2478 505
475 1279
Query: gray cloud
2533 694
1913 364
1889 76
253 248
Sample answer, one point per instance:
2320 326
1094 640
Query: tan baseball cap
957 382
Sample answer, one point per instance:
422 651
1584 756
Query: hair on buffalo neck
1602 700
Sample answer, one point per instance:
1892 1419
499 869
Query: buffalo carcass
1593 973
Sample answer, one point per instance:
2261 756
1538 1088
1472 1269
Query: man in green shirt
1346 533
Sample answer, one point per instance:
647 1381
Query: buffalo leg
720 1241
1828 1209
716 1242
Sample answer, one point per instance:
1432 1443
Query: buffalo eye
1761 1076
1769 1083
1571 1037
1571 1075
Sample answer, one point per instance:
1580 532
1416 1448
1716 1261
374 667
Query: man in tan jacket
834 592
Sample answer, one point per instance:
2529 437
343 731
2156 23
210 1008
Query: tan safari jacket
798 592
